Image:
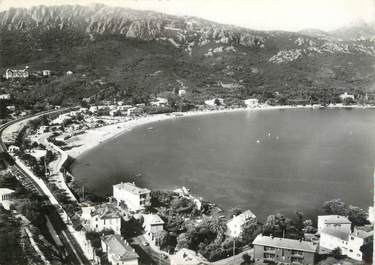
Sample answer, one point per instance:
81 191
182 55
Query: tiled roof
335 219
131 187
336 233
243 217
119 248
285 243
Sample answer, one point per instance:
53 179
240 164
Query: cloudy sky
256 14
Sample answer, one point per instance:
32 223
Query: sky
289 15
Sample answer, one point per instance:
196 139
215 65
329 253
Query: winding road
75 254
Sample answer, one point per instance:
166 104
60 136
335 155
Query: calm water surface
267 161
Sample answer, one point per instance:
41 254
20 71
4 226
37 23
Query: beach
82 143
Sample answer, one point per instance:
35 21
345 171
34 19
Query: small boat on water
258 141
150 128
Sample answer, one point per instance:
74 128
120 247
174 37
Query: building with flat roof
235 225
12 73
118 250
284 250
134 197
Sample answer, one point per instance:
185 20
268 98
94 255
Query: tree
336 253
367 250
217 102
336 206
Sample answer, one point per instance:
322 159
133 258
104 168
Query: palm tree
217 226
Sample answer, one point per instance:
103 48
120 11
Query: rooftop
4 191
336 233
131 187
119 248
243 217
363 231
188 257
153 219
285 243
335 219
106 211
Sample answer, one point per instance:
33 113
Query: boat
150 128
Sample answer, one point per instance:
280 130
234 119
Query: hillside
118 52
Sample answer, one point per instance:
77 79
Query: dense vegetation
108 65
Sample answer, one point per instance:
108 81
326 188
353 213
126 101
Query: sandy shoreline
94 137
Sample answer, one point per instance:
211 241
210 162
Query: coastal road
74 253
147 255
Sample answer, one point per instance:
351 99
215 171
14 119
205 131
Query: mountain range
129 52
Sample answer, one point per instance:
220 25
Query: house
13 149
338 222
4 96
159 102
118 250
134 197
214 102
153 226
135 111
181 92
359 237
101 217
11 108
188 257
235 225
69 73
251 102
349 243
37 153
346 96
9 73
371 214
46 72
276 250
6 197
42 129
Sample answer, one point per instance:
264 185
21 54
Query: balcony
296 255
270 251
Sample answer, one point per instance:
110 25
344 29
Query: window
351 250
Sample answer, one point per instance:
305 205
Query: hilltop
122 53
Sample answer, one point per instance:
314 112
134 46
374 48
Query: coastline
92 138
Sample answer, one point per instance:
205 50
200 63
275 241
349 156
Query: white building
181 92
69 73
42 129
159 102
153 226
135 111
338 222
10 73
371 214
251 102
118 250
13 148
235 225
6 197
4 96
346 96
349 243
187 257
101 217
134 197
213 102
46 72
